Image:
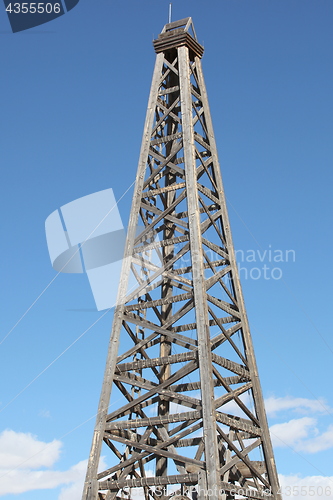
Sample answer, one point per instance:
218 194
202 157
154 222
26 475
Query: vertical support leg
201 309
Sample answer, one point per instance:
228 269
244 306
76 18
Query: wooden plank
137 347
158 302
221 337
176 39
233 394
148 481
161 244
228 308
134 437
245 471
167 138
238 423
193 326
169 90
231 365
176 24
188 269
220 251
148 363
198 138
179 281
184 443
156 192
194 386
155 421
216 277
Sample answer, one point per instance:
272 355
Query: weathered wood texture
186 406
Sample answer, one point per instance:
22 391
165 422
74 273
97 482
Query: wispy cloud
319 443
300 405
291 433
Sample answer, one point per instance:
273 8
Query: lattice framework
181 355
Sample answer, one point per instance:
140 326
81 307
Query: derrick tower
186 411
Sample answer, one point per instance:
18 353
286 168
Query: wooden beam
152 421
148 363
149 481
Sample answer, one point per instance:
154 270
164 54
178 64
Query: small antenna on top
170 10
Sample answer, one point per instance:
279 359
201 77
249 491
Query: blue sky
73 99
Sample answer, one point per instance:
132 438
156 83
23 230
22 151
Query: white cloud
307 488
25 463
302 405
291 433
19 449
319 443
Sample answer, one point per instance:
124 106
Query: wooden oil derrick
187 411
